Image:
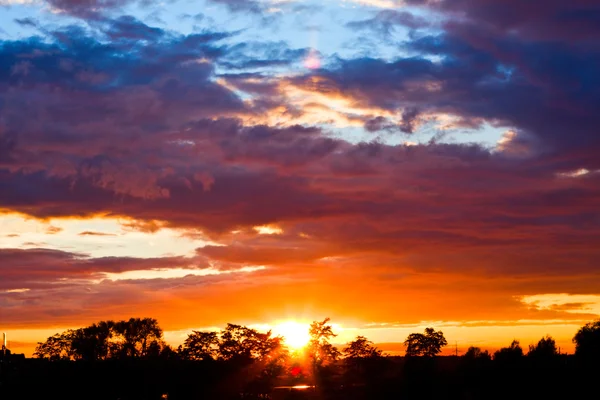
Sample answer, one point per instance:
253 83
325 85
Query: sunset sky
391 164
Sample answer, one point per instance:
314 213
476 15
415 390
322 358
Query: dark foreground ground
561 377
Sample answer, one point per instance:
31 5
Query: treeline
130 360
136 337
143 338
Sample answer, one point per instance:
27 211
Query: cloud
498 79
260 55
251 6
267 10
44 268
128 28
569 303
181 131
42 285
52 230
379 3
13 2
577 20
386 22
92 233
28 22
91 8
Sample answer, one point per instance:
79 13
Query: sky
390 164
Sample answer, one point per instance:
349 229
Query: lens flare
312 60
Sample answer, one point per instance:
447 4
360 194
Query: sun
295 334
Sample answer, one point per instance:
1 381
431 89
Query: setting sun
294 333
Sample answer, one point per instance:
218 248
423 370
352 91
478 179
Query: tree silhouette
93 342
512 353
167 353
361 357
237 341
475 353
256 358
248 364
56 347
587 341
320 349
544 349
137 334
273 358
361 347
133 338
201 346
428 344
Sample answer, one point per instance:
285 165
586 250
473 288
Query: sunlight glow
171 273
294 333
17 290
563 302
376 3
268 230
99 236
576 173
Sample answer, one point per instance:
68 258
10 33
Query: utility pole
456 345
